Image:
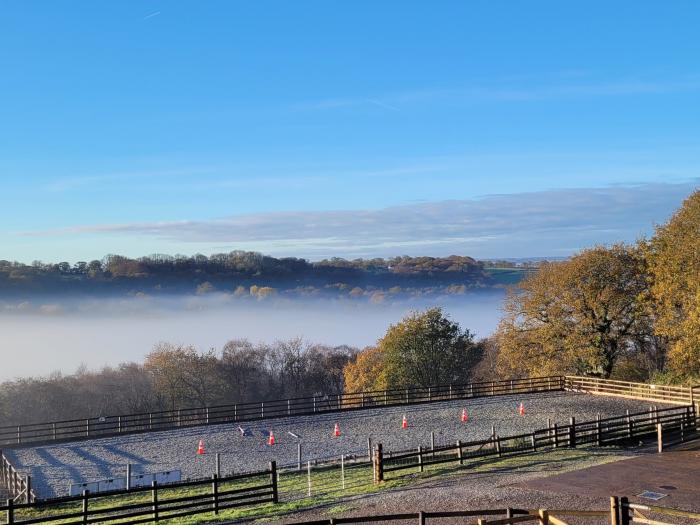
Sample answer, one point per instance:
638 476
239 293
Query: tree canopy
673 255
578 316
425 348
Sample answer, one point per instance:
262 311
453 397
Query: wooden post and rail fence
18 486
667 425
621 512
150 504
108 426
18 436
14 436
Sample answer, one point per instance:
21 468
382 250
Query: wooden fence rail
679 422
639 513
510 517
106 426
173 500
18 486
621 512
421 517
671 394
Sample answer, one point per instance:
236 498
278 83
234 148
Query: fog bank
38 339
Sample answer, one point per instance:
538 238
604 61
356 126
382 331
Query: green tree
673 256
425 348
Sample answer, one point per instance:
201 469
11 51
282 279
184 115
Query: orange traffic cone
200 448
465 416
404 422
336 431
271 438
521 409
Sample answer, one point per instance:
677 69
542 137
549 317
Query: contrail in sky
155 13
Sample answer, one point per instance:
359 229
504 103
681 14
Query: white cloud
553 222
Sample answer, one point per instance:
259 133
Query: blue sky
316 128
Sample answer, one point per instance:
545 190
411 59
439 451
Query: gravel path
499 488
54 467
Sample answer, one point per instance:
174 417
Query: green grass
507 276
327 490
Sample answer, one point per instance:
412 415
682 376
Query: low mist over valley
62 331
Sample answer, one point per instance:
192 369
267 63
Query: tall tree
578 316
425 348
674 265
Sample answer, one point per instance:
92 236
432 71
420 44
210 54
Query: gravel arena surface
54 467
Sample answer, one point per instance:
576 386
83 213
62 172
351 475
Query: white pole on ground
128 476
308 475
342 470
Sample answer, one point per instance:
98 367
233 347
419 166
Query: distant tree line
244 274
176 376
425 348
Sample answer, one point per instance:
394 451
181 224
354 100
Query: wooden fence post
10 511
86 494
421 518
154 499
544 517
624 511
498 446
420 458
342 471
215 493
299 456
572 432
614 510
598 438
629 424
308 477
28 489
660 437
459 452
378 464
273 478
556 436
534 442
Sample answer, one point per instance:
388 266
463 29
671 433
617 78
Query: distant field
507 276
